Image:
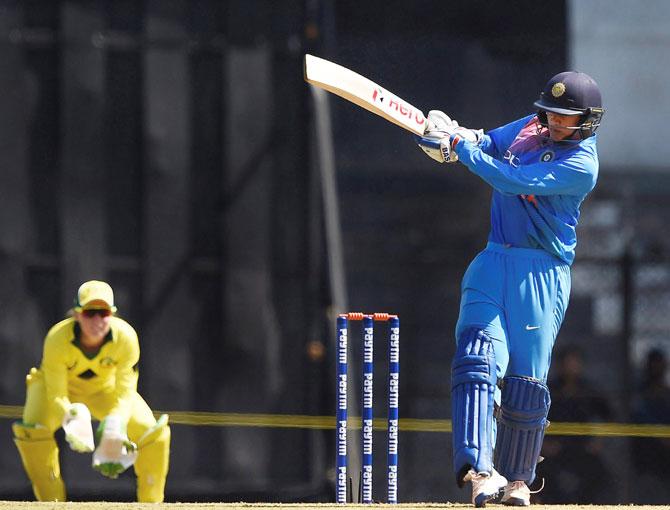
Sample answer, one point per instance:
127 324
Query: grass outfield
22 505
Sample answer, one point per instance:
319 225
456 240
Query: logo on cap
558 89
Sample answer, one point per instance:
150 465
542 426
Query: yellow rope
297 421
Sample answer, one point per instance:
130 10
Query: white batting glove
78 429
435 140
470 135
439 122
115 452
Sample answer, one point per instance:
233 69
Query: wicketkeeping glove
78 429
115 452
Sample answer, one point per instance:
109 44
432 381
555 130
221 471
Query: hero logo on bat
396 104
378 95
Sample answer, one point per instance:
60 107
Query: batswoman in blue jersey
538 184
515 292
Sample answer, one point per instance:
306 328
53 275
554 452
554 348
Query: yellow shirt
69 372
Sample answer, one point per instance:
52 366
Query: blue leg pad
521 422
473 380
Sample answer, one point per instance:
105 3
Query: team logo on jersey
107 362
558 89
547 156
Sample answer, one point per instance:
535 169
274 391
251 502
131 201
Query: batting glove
440 130
469 135
439 127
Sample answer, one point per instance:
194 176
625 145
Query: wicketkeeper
89 369
515 292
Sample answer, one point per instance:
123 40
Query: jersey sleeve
54 368
126 373
495 142
573 175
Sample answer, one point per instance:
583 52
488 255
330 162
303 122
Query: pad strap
473 379
154 432
522 419
37 432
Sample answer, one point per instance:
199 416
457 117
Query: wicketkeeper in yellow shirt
89 369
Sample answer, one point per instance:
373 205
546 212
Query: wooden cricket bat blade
364 92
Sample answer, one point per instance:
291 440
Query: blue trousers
518 296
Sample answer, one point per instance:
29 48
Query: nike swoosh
530 328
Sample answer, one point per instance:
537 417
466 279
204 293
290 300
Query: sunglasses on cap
92 312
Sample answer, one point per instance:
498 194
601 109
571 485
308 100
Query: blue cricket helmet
572 93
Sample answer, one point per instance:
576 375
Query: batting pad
521 422
473 379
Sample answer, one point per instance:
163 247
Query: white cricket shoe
485 486
516 494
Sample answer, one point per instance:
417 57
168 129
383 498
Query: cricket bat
363 92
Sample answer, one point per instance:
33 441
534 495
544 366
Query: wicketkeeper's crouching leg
34 438
39 454
152 464
143 442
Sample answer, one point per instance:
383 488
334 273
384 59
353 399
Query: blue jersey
538 184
